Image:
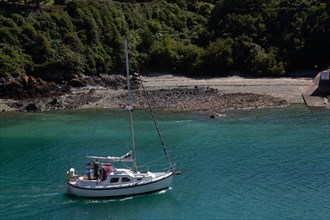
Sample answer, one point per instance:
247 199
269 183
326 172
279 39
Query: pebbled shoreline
175 93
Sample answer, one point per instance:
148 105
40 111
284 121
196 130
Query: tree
266 63
219 56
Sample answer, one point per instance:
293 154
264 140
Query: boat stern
66 188
71 178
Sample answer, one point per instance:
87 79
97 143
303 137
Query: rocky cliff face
27 93
27 87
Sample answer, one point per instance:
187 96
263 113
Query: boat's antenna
129 104
155 122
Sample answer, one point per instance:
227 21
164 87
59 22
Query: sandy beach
289 89
177 93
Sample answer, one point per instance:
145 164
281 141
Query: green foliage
262 37
64 66
170 55
154 26
204 8
190 59
13 62
73 41
18 19
274 25
42 49
98 61
219 56
266 63
164 55
8 31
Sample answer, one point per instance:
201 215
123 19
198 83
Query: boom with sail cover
125 158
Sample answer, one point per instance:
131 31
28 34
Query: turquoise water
255 164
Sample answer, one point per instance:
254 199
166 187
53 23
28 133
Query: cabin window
126 179
114 180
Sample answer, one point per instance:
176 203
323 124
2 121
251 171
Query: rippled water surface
256 164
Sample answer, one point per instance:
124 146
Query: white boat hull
121 190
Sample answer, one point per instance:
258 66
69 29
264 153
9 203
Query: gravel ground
177 93
289 89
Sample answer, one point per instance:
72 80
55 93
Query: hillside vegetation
261 37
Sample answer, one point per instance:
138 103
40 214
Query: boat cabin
123 176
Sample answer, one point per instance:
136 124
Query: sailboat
119 182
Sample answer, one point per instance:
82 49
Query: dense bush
13 62
283 28
262 37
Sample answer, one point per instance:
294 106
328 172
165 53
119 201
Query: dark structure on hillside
318 93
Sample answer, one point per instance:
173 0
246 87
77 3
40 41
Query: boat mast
129 107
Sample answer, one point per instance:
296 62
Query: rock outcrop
29 94
27 87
